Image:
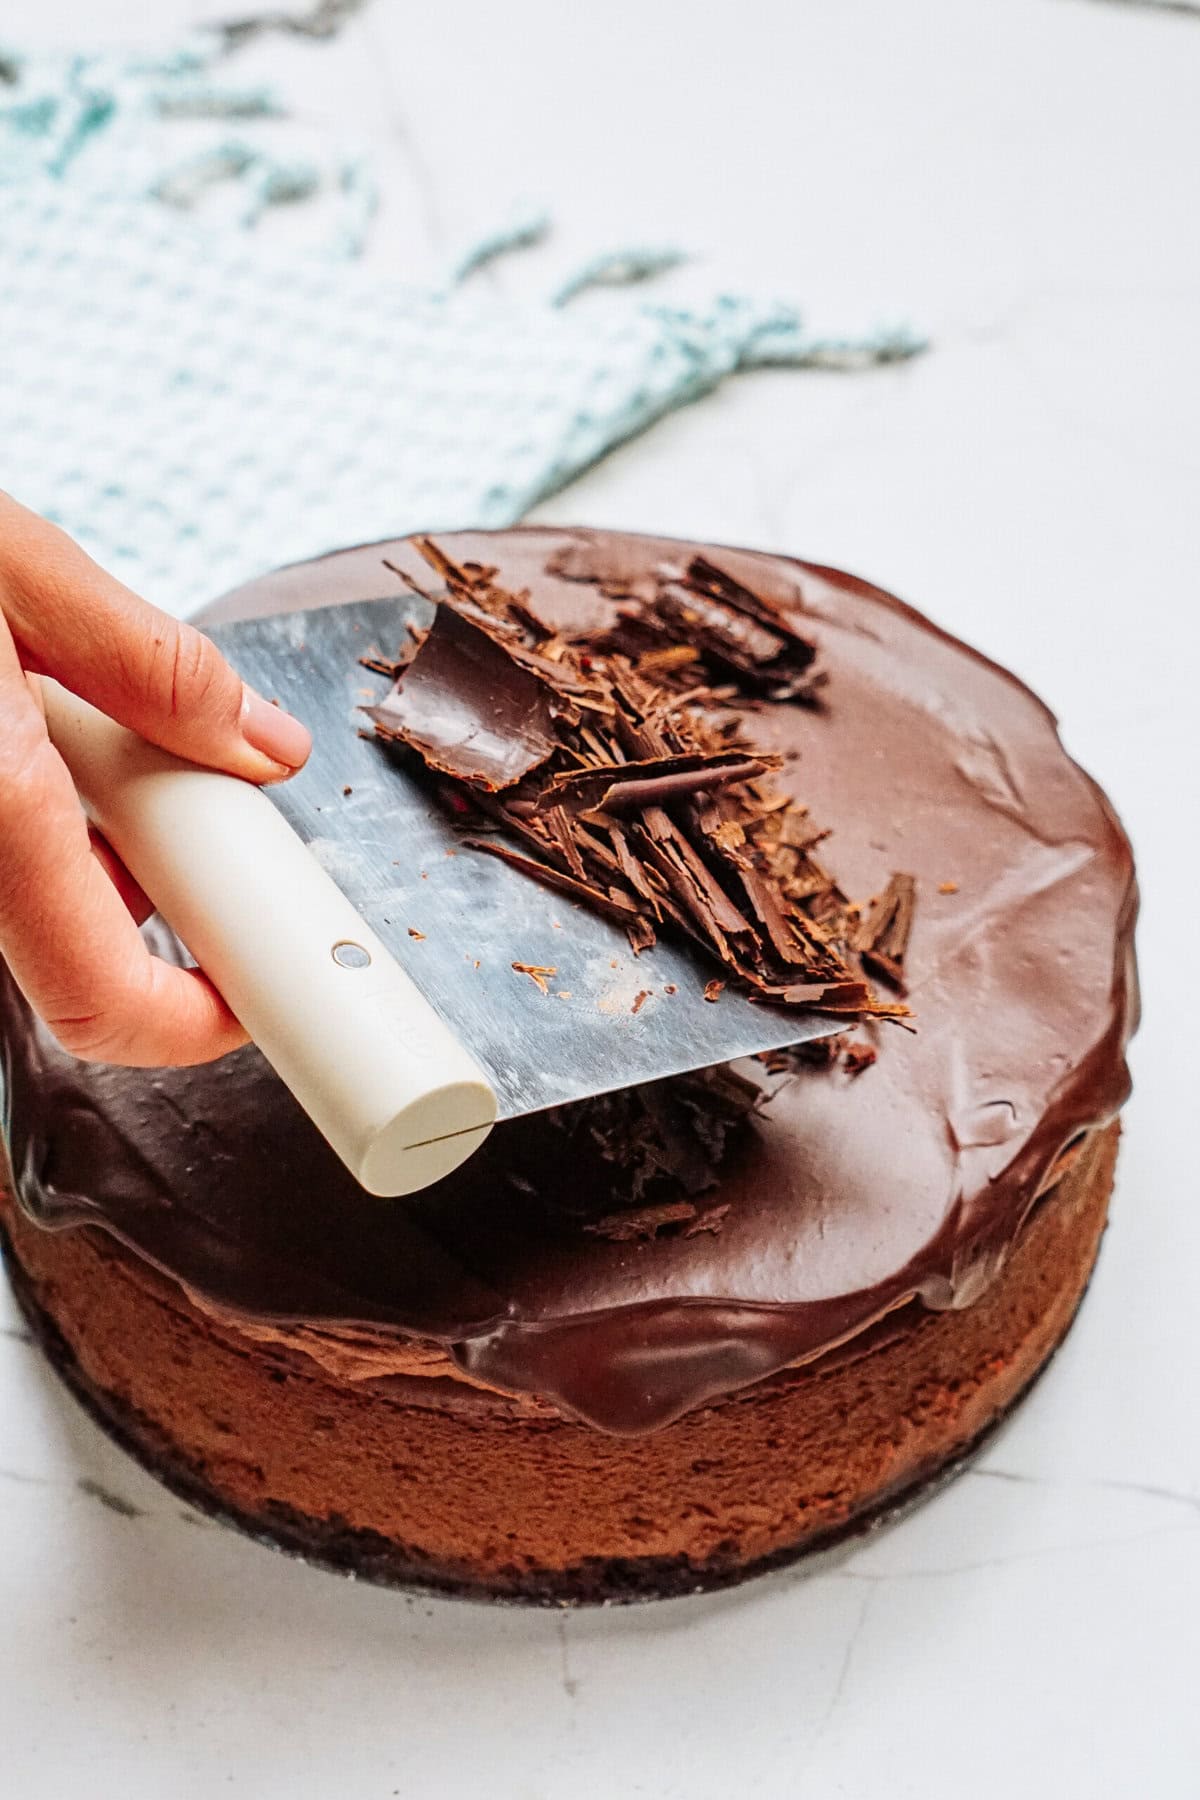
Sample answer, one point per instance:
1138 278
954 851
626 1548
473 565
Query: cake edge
332 1545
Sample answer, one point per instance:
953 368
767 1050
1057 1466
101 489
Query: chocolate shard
667 1142
702 610
711 1219
851 998
641 935
643 1223
858 1056
537 973
707 578
632 787
602 900
881 937
466 709
731 636
850 1055
629 786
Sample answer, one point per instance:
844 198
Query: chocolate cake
663 1340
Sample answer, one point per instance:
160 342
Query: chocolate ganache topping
845 1194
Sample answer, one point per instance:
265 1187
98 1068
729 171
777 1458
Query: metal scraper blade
457 920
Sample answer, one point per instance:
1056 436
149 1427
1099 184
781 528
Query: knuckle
92 1037
189 674
109 1021
106 1031
31 774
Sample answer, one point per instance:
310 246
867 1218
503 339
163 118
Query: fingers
163 679
136 901
67 936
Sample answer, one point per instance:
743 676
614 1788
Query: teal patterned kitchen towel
197 404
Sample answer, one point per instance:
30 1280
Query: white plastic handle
374 1067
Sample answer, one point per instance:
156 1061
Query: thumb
161 678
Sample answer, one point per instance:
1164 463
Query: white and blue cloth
197 405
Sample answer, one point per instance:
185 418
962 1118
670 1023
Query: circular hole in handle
349 955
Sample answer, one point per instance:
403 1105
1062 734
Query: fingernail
273 732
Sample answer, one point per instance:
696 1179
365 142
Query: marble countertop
1021 181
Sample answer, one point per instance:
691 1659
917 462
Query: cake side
434 1483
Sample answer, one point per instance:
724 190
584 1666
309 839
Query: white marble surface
1022 180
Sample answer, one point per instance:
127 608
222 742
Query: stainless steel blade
458 920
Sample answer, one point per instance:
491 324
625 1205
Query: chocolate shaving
881 937
717 631
654 783
712 1219
612 904
631 787
642 1223
537 973
839 1051
667 619
665 1143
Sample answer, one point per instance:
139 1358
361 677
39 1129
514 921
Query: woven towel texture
197 405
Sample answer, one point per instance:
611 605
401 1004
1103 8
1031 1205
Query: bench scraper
367 954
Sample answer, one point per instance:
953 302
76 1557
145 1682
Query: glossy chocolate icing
847 1196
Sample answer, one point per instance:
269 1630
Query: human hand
69 910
